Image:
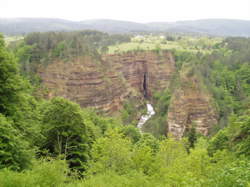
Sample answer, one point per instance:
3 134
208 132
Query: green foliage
235 137
118 162
228 171
162 102
170 151
131 132
157 48
65 132
103 151
225 74
101 123
129 113
192 136
22 127
116 153
11 84
218 142
157 42
157 125
111 152
243 76
149 140
144 160
14 151
15 100
110 178
182 57
42 48
59 50
43 174
239 133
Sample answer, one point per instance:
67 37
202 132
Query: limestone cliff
146 72
106 83
190 105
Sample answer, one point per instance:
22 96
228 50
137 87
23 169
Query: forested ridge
218 27
55 142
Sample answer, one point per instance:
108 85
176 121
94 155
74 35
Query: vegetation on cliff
41 49
166 42
221 75
57 143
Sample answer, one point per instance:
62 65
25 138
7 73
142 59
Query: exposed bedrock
106 83
191 105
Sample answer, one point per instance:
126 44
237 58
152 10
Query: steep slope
85 81
191 105
146 72
105 84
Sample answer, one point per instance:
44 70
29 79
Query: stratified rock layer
190 105
104 84
145 71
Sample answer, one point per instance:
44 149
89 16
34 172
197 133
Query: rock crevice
191 105
106 84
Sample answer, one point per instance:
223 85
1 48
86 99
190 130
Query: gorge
107 83
146 117
86 108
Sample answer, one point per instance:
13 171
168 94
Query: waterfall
146 117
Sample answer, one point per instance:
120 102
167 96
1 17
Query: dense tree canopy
42 48
57 143
11 83
65 132
14 152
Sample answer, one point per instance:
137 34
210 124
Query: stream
146 117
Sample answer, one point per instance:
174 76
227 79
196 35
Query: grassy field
9 39
187 43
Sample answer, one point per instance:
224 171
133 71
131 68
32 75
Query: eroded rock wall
191 104
86 82
145 69
104 84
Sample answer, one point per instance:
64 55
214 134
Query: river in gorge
146 117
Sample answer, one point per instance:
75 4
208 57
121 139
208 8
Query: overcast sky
131 10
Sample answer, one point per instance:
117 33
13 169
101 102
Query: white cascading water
144 118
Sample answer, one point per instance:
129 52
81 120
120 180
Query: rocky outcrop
104 84
146 72
190 105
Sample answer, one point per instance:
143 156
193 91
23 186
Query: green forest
55 142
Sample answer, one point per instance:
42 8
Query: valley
96 109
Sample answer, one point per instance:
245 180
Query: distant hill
220 27
26 25
107 25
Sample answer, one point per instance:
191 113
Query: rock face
145 71
190 105
106 83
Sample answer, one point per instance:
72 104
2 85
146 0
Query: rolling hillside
220 27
